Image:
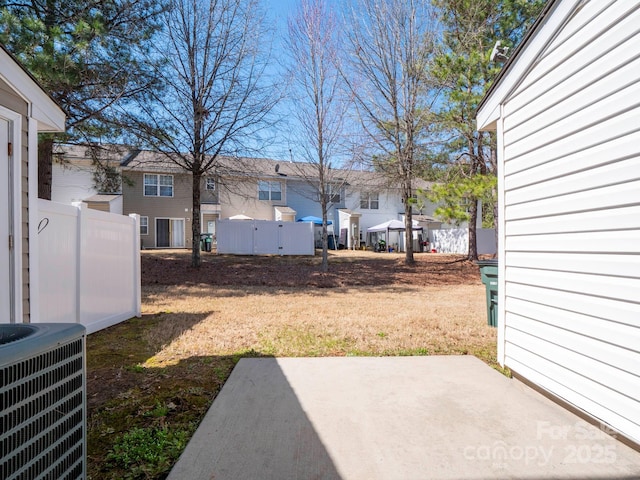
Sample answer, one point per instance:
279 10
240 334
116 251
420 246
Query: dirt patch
346 268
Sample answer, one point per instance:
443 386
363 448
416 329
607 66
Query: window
158 185
333 193
144 225
413 199
269 190
210 184
369 201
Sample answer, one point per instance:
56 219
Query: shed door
6 202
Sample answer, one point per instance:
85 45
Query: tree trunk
45 160
325 236
408 230
325 241
195 221
473 243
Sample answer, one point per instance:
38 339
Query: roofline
511 60
51 120
132 154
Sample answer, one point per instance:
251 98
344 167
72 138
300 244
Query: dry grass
163 371
296 322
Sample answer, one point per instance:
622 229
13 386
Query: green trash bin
205 241
489 276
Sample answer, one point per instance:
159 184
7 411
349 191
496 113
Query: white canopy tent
387 228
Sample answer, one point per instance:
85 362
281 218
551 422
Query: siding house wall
72 181
11 100
208 196
177 207
240 196
303 198
568 120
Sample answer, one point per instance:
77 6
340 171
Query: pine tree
464 69
86 55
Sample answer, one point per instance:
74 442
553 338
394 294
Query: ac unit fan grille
42 411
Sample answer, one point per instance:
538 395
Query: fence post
81 225
137 269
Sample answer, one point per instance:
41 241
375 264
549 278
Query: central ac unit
42 401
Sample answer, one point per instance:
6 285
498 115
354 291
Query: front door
6 202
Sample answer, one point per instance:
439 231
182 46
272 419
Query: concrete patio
405 418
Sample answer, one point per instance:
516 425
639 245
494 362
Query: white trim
501 315
202 225
552 23
15 181
49 116
34 220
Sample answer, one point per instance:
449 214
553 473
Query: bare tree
319 109
391 46
216 99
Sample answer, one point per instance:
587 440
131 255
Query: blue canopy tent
314 220
317 221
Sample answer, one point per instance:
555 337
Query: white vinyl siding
571 251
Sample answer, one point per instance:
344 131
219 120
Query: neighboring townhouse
77 178
262 189
379 200
160 192
256 188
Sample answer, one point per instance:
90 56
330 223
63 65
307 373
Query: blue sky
285 146
279 9
278 12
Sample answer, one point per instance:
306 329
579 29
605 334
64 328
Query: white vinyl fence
264 237
456 240
88 266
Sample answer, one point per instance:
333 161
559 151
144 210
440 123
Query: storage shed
566 109
25 110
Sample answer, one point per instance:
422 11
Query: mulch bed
174 268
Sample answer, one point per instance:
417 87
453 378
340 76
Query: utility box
42 401
489 276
